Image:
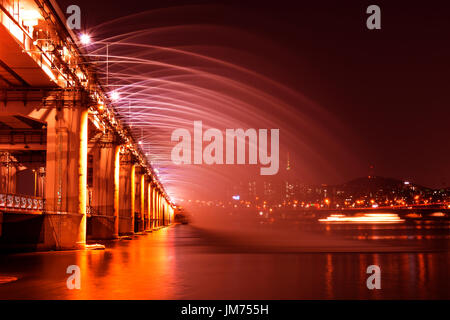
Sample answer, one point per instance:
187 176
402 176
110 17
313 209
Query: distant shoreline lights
365 218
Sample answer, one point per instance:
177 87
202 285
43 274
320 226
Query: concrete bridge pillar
156 208
165 216
138 217
166 212
163 213
148 205
127 195
160 211
172 215
152 206
143 209
65 196
106 186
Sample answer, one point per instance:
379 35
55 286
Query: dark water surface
184 262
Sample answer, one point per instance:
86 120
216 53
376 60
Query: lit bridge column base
64 218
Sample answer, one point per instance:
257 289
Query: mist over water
239 230
187 262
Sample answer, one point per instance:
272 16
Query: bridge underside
84 185
65 177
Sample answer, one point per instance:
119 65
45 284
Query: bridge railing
21 203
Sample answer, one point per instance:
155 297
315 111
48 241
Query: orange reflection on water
136 271
329 277
185 263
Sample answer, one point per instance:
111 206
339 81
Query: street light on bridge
115 96
85 39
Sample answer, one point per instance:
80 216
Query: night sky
389 88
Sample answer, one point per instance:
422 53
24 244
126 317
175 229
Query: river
189 262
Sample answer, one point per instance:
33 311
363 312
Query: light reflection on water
183 262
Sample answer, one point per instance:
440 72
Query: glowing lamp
85 39
30 17
115 95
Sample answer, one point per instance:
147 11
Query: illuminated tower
288 162
371 171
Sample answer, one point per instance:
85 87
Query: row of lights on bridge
86 39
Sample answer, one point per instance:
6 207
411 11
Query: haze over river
299 261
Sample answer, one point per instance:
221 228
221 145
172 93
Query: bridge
70 169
